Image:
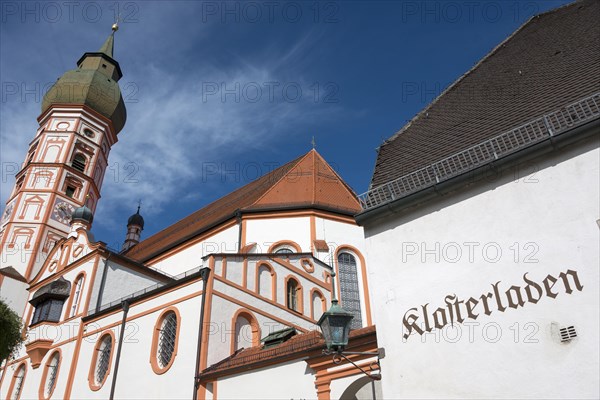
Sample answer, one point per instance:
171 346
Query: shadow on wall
363 389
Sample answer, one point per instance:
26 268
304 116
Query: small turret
135 226
82 217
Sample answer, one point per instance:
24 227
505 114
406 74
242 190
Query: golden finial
115 26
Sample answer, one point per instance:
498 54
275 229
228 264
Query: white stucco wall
191 256
266 231
292 380
541 221
120 281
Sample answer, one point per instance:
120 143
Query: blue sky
219 93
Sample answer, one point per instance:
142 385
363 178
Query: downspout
238 217
102 284
125 306
204 273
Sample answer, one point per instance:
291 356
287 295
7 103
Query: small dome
82 214
136 219
59 289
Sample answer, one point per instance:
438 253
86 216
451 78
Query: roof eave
432 192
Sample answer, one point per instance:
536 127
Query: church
468 269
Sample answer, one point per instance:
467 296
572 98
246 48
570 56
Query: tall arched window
17 383
317 304
164 343
101 361
293 295
79 162
349 291
50 375
76 296
246 332
266 281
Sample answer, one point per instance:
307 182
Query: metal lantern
335 325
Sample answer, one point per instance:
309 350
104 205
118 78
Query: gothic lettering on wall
423 320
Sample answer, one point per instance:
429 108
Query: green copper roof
93 84
108 46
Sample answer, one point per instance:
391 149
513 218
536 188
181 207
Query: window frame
39 308
356 323
75 297
154 361
94 385
299 298
45 375
79 165
273 274
10 395
248 316
284 244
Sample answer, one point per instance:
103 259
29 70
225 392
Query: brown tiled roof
308 181
550 61
302 345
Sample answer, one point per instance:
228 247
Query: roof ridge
474 67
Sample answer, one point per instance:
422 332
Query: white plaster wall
265 232
120 282
292 380
136 379
14 293
191 257
369 389
544 221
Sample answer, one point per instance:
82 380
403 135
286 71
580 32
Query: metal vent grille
567 334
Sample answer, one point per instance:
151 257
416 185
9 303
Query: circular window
88 132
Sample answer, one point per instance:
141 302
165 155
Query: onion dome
83 214
94 84
136 219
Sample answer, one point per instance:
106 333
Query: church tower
135 226
64 168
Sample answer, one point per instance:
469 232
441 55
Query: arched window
293 295
246 332
50 375
79 162
317 304
76 296
17 383
266 282
284 247
349 291
284 250
101 361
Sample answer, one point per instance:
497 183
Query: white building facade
487 252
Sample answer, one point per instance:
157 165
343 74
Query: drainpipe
238 217
125 305
204 273
102 284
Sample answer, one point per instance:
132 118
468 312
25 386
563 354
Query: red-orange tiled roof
305 344
308 181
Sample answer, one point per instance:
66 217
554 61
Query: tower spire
109 45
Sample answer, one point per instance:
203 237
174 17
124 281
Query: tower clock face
62 212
